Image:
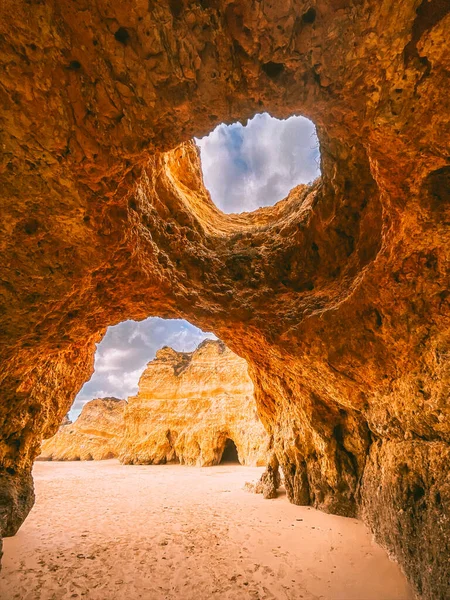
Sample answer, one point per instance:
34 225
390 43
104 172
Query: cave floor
103 531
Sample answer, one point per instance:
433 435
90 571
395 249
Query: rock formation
189 405
66 421
96 434
337 297
270 480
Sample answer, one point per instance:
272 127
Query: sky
243 168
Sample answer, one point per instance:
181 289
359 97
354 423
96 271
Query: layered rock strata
337 297
96 434
189 405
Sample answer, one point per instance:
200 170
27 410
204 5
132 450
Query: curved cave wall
337 297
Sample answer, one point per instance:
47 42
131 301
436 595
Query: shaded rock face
66 421
189 405
16 501
414 503
95 435
337 297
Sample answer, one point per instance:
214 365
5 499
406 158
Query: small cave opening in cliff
230 454
246 167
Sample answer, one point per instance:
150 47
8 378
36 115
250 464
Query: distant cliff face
188 408
95 435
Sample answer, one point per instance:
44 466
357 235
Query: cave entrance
159 389
246 167
230 454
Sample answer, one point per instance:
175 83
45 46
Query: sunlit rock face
95 435
337 296
188 405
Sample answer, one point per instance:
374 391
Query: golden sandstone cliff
189 405
95 435
337 297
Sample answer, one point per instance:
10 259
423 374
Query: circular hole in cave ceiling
256 165
244 168
124 352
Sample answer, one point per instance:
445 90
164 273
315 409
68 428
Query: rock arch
337 296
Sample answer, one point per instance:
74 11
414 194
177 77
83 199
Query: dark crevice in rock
176 8
309 16
122 35
273 69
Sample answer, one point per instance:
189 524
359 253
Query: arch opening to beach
160 392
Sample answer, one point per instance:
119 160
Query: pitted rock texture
412 503
337 297
96 434
16 501
189 405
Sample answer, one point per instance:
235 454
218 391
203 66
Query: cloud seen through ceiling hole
245 168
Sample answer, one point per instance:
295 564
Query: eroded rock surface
269 481
187 408
337 297
16 501
189 405
96 434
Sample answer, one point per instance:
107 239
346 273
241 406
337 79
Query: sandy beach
103 531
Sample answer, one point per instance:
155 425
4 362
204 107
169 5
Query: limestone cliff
95 435
337 297
189 405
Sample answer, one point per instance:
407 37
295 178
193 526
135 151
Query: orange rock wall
337 297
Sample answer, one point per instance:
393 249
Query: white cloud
186 340
257 165
125 383
110 359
